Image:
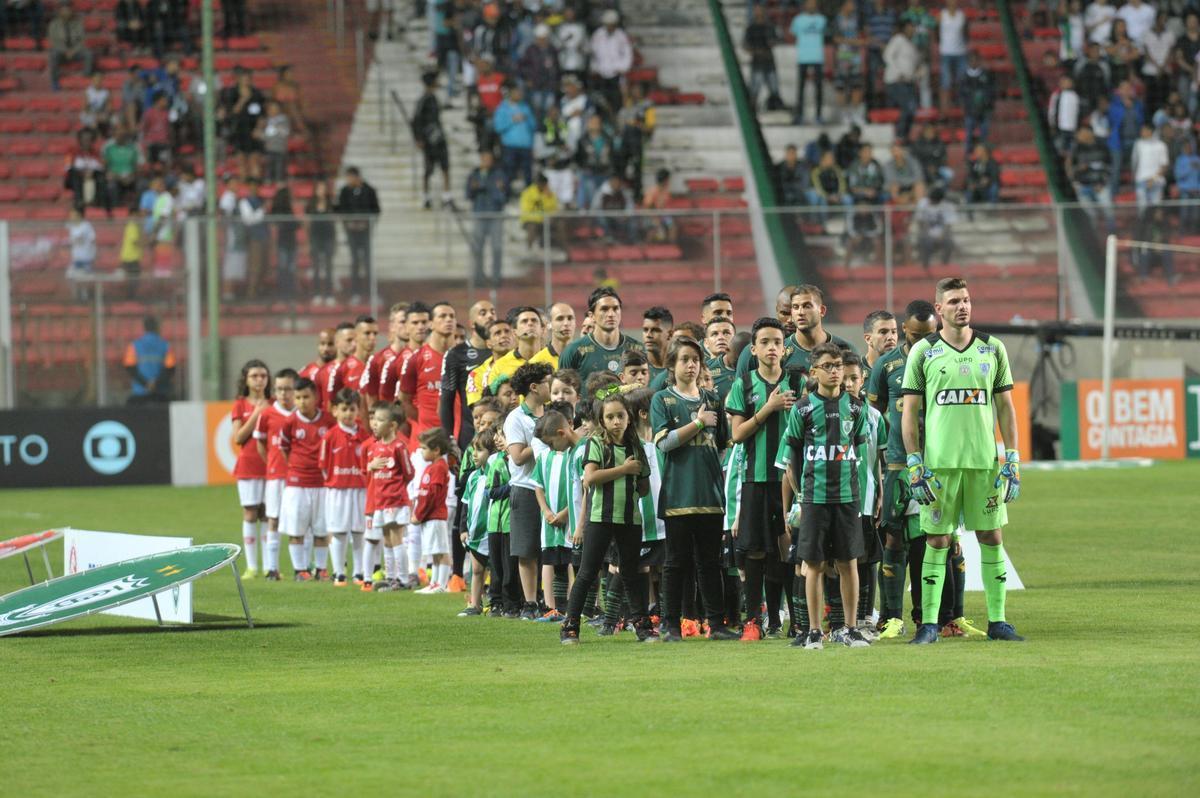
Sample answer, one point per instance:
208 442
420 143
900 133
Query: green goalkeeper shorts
968 496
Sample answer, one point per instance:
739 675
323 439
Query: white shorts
382 518
302 512
344 509
435 537
250 492
273 497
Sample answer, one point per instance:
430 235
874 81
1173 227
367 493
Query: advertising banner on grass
85 549
85 447
1147 420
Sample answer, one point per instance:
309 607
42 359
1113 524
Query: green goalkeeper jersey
959 389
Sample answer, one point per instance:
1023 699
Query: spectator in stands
85 175
935 220
487 192
866 185
489 87
905 179
516 126
1071 32
536 202
1187 47
827 186
241 108
983 176
190 199
156 130
13 11
759 41
67 42
808 28
1098 119
612 58
233 266
97 106
637 104
596 158
163 223
575 107
494 39
1187 180
880 26
571 40
1151 164
121 161
977 95
613 204
1098 21
166 25
657 198
131 23
133 89
901 61
448 48
358 200
1123 53
287 228
1091 78
848 62
1063 114
1090 170
847 148
131 254
1125 119
555 156
322 241
252 211
430 138
792 176
923 26
952 49
1154 226
277 129
822 143
150 363
233 12
286 92
630 152
1157 44
1173 114
930 152
540 71
81 238
1138 17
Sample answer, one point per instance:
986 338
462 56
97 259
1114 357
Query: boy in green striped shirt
553 492
820 457
475 517
870 456
505 594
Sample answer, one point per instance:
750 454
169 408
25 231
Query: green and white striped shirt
653 527
552 474
475 498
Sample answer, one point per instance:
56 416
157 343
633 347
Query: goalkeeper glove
921 480
1010 473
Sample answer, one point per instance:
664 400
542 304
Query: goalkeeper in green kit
960 380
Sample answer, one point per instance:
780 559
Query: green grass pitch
339 692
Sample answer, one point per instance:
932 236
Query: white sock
250 545
389 562
369 548
321 553
297 553
271 551
356 548
337 546
397 573
402 560
413 544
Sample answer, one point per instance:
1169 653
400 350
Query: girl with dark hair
250 470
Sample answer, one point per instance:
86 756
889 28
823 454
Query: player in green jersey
474 533
635 369
819 454
870 456
716 306
899 518
721 363
960 381
691 429
879 335
506 587
553 493
657 326
601 349
758 404
808 312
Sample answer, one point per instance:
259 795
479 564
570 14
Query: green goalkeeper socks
933 574
992 568
892 580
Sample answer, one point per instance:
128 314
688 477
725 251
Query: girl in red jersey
250 470
389 471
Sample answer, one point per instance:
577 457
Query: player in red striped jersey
302 511
421 380
327 380
266 436
254 395
380 363
389 472
345 486
326 352
416 324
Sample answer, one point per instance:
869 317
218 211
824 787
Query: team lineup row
699 474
